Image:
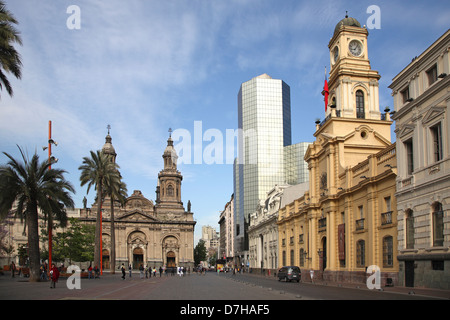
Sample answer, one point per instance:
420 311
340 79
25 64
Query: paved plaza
111 287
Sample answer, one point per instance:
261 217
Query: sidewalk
426 292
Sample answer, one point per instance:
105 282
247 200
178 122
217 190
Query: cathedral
154 234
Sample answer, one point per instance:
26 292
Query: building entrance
170 263
138 257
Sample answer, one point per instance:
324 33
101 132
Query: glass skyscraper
266 156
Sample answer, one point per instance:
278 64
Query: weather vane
108 127
170 132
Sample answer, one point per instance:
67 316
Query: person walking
130 269
13 269
90 272
123 271
54 275
160 271
141 271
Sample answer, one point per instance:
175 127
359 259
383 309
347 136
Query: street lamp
51 160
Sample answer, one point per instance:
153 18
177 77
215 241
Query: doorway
138 257
324 253
170 262
409 273
105 259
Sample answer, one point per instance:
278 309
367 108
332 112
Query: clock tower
353 128
353 85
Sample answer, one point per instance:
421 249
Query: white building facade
422 100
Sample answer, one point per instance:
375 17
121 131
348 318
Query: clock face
335 54
355 48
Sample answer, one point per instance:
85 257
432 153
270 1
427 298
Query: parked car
289 273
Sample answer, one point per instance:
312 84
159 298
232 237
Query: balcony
322 224
386 218
359 225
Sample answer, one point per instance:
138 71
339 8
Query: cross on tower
170 132
108 127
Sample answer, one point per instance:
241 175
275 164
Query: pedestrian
146 272
160 271
13 269
96 272
141 271
130 269
54 275
123 271
90 272
154 271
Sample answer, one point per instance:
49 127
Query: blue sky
144 66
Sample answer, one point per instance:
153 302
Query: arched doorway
105 259
138 257
170 259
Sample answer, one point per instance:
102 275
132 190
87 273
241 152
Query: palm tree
98 170
10 60
30 186
119 192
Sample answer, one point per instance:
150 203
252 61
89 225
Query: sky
144 66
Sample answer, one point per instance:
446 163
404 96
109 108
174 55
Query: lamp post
50 218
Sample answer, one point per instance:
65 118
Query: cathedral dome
108 147
347 21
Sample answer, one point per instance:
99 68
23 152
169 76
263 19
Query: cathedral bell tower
168 191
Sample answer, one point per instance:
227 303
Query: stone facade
421 101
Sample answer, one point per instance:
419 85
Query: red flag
325 93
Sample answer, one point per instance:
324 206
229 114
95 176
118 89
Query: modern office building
265 151
421 101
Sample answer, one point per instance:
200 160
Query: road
211 286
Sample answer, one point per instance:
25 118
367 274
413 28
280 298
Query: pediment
136 215
405 130
365 133
432 114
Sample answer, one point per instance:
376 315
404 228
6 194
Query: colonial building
421 101
346 221
159 233
263 229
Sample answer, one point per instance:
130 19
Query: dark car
289 273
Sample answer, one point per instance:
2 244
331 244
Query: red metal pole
50 222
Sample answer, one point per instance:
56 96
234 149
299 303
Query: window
360 104
405 95
170 191
432 75
292 258
302 257
438 225
409 230
361 253
388 251
436 134
409 156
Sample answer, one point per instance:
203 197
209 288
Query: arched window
170 190
388 251
360 105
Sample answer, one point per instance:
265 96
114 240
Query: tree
30 186
199 252
119 192
100 171
76 243
10 60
